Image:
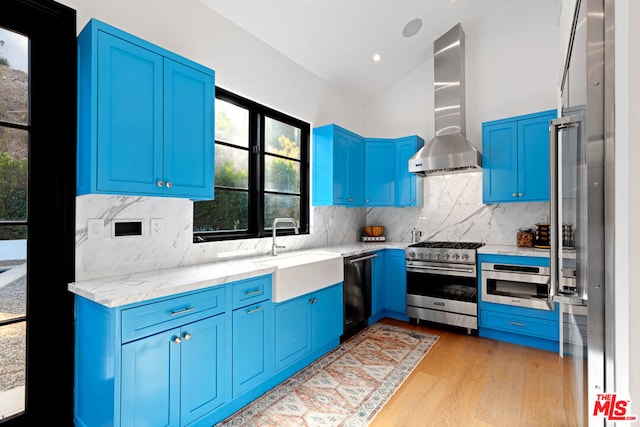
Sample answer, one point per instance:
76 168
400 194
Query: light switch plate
95 229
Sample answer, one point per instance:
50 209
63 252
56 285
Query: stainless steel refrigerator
581 147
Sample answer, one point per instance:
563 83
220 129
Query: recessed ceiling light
412 27
377 57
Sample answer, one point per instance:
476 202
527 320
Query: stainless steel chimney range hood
449 151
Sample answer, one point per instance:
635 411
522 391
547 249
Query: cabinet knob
520 194
177 340
514 195
160 183
187 336
169 184
413 200
366 201
311 301
315 300
351 199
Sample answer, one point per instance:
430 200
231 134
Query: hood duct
449 151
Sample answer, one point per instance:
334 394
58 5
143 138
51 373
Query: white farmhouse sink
300 273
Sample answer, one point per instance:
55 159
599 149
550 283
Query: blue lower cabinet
306 324
531 327
395 284
252 346
377 287
150 381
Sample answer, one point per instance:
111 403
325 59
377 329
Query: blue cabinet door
129 118
380 172
533 158
409 186
252 346
327 316
151 381
355 171
203 386
515 158
395 281
500 162
341 165
292 330
188 131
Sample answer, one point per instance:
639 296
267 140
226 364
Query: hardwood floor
471 381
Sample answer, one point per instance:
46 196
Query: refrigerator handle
555 198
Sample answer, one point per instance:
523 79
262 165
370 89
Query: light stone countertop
117 291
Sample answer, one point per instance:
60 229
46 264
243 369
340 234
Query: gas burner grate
447 245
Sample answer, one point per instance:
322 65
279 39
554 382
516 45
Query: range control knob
429 255
421 255
446 256
412 254
465 257
438 256
455 256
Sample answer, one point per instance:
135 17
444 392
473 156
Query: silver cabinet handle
520 194
254 310
514 195
517 324
160 184
315 300
252 293
351 199
169 184
179 312
187 336
176 340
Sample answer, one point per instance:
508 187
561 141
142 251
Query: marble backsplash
173 245
453 211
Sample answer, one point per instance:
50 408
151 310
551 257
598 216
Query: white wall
512 62
244 65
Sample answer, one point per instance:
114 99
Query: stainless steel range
442 283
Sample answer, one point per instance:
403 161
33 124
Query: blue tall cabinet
146 121
515 158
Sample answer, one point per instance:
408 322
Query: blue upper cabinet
409 186
338 167
145 118
349 170
515 158
380 172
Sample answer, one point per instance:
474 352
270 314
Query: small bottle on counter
524 238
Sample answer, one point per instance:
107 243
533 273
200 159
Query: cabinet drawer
151 318
519 324
250 291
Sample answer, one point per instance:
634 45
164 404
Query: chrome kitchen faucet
274 247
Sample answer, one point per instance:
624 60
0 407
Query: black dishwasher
357 293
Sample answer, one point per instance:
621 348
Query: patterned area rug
346 387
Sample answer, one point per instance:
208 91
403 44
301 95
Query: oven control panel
464 256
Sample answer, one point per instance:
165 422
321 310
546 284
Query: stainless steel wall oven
442 284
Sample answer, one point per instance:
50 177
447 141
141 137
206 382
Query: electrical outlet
156 225
95 229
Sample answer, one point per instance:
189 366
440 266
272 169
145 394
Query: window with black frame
261 172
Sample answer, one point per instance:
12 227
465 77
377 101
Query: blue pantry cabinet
515 158
146 119
338 167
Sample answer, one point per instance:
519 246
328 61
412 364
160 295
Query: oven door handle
456 270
